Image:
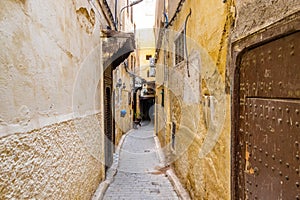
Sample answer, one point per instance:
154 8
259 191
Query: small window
179 48
148 57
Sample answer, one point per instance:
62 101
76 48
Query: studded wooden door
268 133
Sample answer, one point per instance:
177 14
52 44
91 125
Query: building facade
192 107
145 70
56 127
123 77
203 97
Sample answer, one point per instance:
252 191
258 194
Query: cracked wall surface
51 141
200 154
202 159
50 163
253 15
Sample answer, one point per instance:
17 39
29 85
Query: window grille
179 48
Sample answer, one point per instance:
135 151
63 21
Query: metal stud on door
269 132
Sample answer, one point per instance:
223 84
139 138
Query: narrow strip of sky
144 14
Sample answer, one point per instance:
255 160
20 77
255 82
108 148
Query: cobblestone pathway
135 178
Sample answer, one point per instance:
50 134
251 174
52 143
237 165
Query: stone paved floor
134 180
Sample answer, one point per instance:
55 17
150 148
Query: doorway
108 118
266 119
147 109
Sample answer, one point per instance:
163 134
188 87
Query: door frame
284 27
108 141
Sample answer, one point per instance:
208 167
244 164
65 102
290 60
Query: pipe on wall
185 43
165 14
178 9
116 15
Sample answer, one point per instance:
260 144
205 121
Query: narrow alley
150 99
138 173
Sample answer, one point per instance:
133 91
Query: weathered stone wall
253 15
53 162
171 6
201 153
51 137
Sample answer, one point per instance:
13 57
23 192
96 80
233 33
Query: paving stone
138 157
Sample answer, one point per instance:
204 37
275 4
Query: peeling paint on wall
253 15
86 19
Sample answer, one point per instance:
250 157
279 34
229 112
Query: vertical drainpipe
165 15
185 45
116 15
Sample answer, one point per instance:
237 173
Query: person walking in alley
138 120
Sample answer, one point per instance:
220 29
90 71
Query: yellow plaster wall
145 64
205 175
208 176
145 46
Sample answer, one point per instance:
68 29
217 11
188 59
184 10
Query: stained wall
51 141
195 129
